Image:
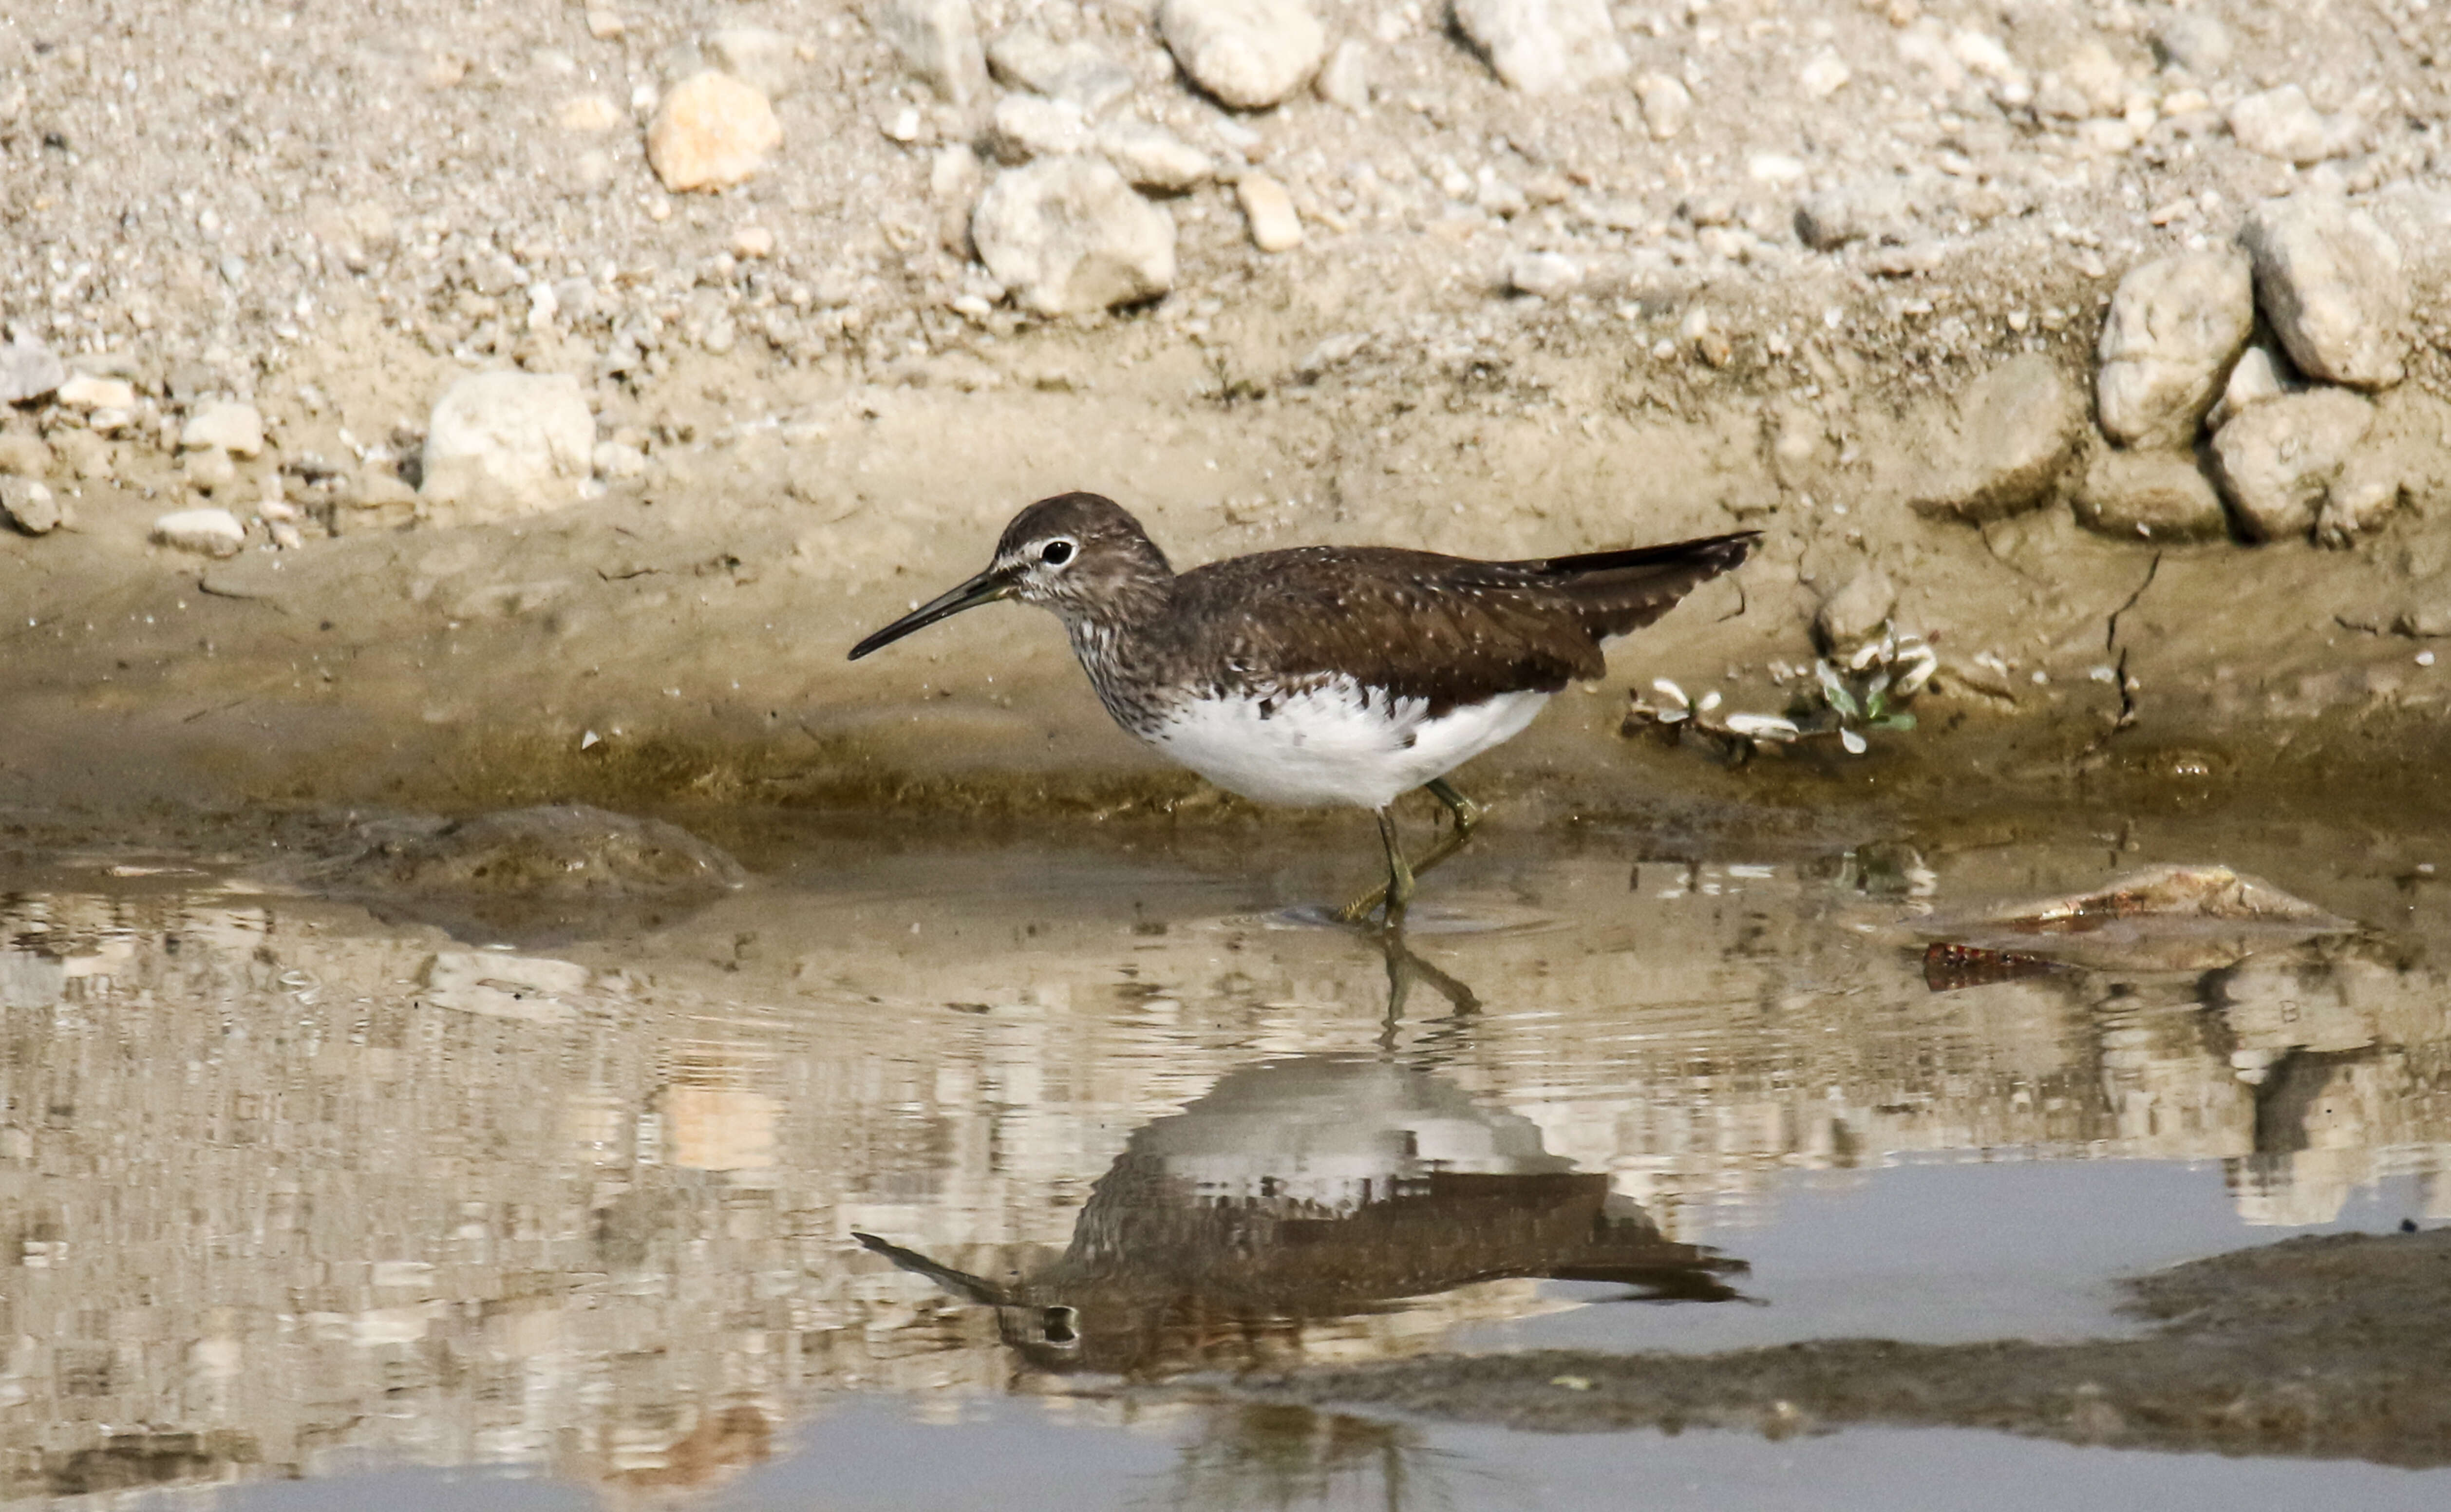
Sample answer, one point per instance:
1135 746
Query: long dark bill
986 587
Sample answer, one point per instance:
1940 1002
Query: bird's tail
1620 592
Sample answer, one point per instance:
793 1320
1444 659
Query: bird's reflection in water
1313 1188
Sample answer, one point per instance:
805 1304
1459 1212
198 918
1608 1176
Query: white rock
2332 284
1865 208
617 461
208 469
1544 46
236 428
939 43
208 532
1030 125
2277 459
1547 275
30 506
1066 234
1152 157
2259 374
29 370
756 55
1824 76
1345 80
1079 72
2175 326
2193 41
91 391
1248 54
2282 124
1275 228
1667 104
501 444
2364 492
586 114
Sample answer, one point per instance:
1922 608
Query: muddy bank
1514 322
2331 1347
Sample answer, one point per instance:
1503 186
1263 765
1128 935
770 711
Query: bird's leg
1395 892
1467 819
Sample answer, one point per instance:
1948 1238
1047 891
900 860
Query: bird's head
1079 555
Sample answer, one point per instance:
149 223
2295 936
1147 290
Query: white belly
1335 743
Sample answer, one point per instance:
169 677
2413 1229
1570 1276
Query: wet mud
2330 1347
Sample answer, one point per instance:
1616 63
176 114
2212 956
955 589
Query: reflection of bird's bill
960 1282
1057 1325
986 587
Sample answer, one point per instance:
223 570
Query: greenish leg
1400 877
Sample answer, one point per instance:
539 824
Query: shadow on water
307 1186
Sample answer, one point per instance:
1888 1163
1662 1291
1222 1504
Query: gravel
2175 326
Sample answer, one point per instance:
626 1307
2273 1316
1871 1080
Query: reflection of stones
1308 1189
2163 918
536 875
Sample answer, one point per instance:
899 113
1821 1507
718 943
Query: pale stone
2149 495
1667 104
2278 458
207 532
939 43
1857 613
1345 80
1068 235
2175 326
1545 47
234 428
588 113
31 507
29 370
1152 157
710 132
1079 73
1248 54
93 391
1544 275
501 444
1027 125
1275 228
2331 281
760 57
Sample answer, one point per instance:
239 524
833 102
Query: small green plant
1867 689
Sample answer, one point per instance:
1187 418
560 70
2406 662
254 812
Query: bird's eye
1055 553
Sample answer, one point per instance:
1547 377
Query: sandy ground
332 215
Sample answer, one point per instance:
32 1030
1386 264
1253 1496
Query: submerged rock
555 871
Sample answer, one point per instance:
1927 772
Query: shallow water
297 1195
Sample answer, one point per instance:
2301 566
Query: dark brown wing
1444 629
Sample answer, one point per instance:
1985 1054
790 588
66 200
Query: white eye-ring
1056 553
